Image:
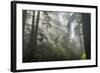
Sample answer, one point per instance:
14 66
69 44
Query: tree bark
36 28
33 36
23 29
31 41
24 18
86 20
32 29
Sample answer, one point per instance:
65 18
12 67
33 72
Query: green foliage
83 55
46 52
59 53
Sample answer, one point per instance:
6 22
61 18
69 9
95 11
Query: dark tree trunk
23 29
86 20
33 36
32 31
24 18
36 28
31 41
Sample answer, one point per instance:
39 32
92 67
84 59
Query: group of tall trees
49 36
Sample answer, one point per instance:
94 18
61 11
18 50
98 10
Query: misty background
55 36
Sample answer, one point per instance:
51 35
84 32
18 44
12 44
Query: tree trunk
36 29
86 20
69 27
32 29
33 36
31 41
23 30
24 18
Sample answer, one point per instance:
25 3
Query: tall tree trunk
32 29
70 21
33 36
31 41
23 29
86 20
24 18
69 26
36 28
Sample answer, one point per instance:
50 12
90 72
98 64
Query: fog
60 34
